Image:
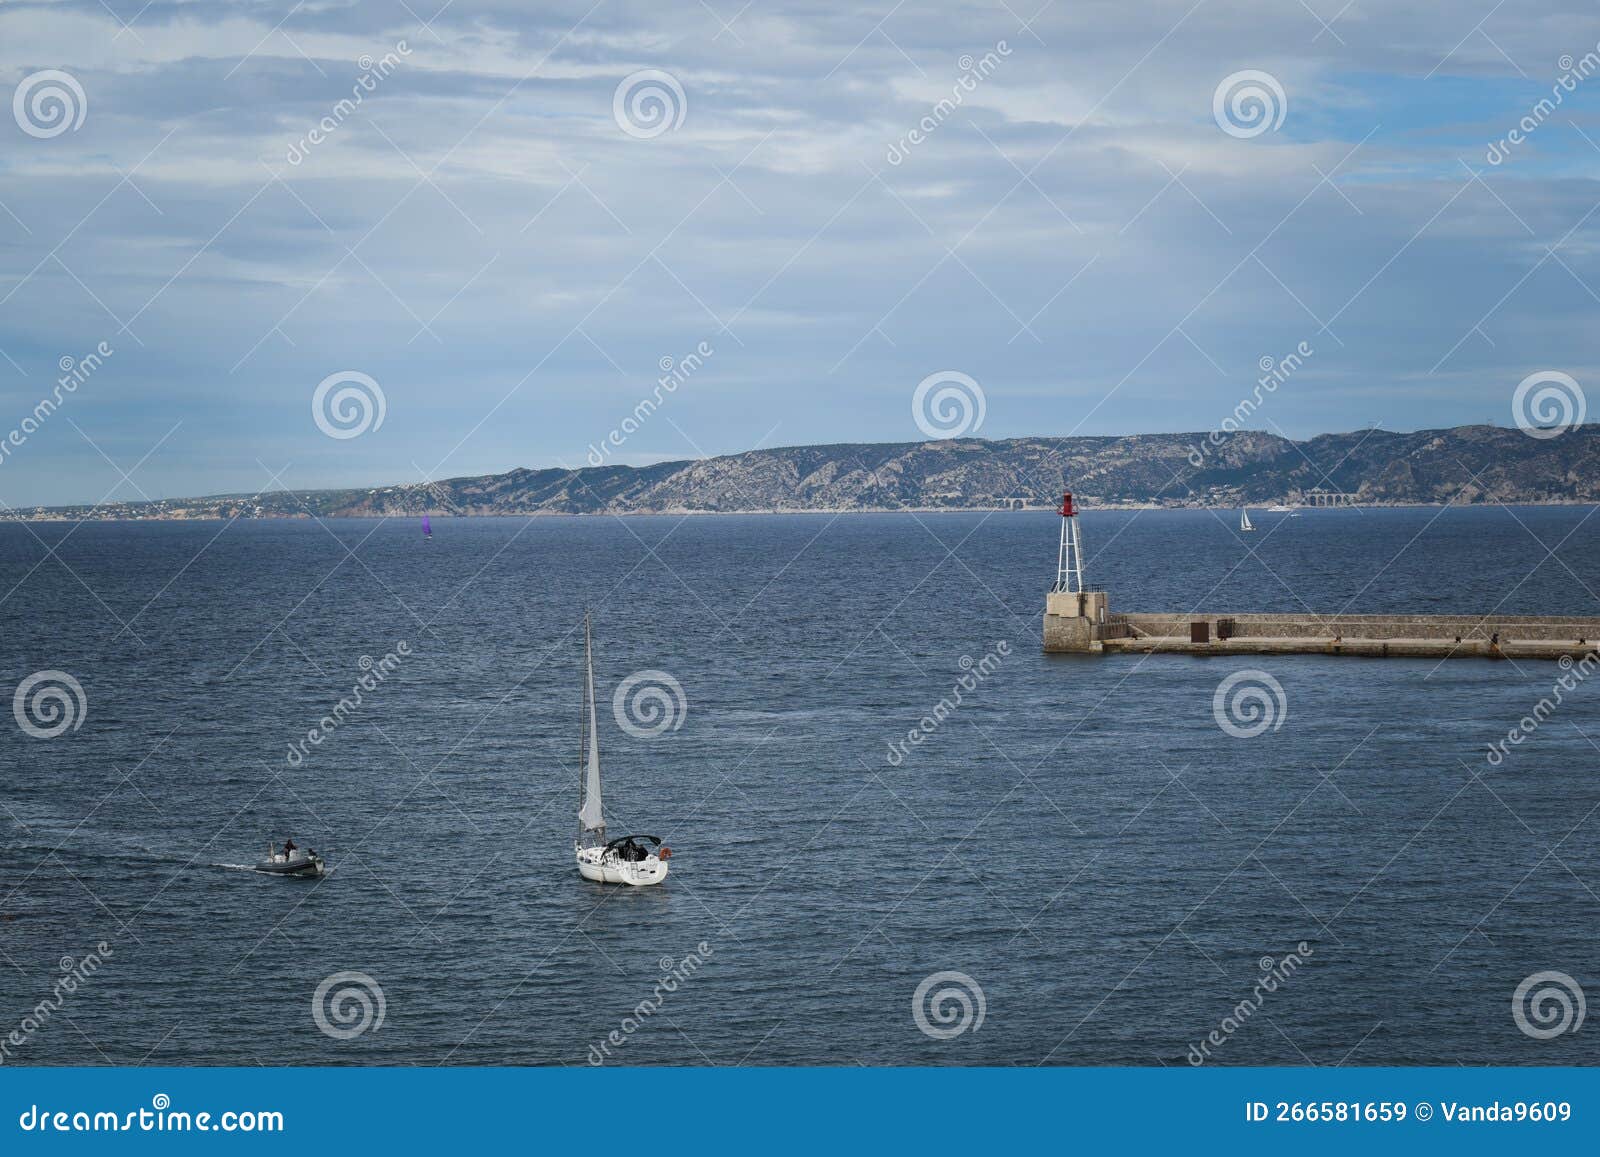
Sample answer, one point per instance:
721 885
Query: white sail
1244 520
591 816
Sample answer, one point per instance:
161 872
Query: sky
354 244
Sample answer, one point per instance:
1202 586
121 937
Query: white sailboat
1244 520
635 860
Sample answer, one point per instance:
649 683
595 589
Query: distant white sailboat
1244 521
636 860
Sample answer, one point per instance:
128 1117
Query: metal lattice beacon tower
1074 618
1069 562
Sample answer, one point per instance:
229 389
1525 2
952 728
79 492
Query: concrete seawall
1083 623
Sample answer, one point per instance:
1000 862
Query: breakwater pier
1383 636
1080 620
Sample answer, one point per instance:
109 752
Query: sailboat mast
594 738
591 816
583 728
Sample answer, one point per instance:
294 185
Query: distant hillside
1468 464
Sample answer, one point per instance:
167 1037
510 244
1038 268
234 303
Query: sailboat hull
594 864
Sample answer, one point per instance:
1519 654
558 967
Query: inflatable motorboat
305 864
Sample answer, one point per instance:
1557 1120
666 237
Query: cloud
478 234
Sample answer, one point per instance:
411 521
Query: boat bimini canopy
629 839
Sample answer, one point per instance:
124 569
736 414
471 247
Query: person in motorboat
288 849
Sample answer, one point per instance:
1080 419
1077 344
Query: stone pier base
1074 621
1082 622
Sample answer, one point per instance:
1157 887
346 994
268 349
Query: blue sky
485 238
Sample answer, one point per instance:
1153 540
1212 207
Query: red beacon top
1066 505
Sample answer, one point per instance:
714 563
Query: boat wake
85 858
